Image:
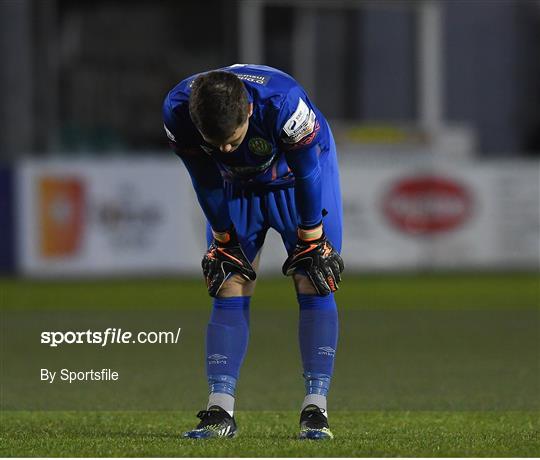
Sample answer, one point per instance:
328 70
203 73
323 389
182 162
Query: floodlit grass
445 291
269 434
427 365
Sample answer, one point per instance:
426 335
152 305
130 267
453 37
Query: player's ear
250 109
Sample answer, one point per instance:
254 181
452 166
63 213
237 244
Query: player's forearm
307 190
208 186
308 197
215 207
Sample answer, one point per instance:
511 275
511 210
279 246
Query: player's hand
321 262
223 259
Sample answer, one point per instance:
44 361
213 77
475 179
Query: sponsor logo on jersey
259 79
300 124
305 141
259 146
250 170
427 205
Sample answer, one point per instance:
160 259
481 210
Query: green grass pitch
268 434
427 365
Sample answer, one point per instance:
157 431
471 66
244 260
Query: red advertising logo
427 205
61 211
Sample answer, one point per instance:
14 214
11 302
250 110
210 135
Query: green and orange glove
223 259
319 260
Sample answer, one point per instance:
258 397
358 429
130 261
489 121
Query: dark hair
218 104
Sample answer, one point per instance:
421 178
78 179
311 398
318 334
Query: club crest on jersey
300 124
259 146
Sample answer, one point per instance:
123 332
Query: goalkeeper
260 156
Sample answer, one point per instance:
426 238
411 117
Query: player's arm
313 254
225 256
203 171
208 185
304 164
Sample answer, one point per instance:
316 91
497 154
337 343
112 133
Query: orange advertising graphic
61 212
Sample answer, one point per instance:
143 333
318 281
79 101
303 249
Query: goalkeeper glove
317 257
223 259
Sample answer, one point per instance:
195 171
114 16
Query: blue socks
226 344
318 334
227 340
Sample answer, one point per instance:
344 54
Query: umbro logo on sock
328 351
217 359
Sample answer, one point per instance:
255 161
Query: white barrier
100 217
462 217
128 216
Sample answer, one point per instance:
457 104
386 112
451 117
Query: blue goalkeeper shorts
254 212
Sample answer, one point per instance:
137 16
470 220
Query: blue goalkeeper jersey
283 119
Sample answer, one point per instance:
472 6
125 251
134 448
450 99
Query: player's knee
303 285
237 286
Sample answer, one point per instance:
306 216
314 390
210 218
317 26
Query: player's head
220 109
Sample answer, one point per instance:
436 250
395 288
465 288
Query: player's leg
227 339
226 345
228 328
318 325
318 322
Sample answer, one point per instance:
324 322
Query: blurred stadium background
435 109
